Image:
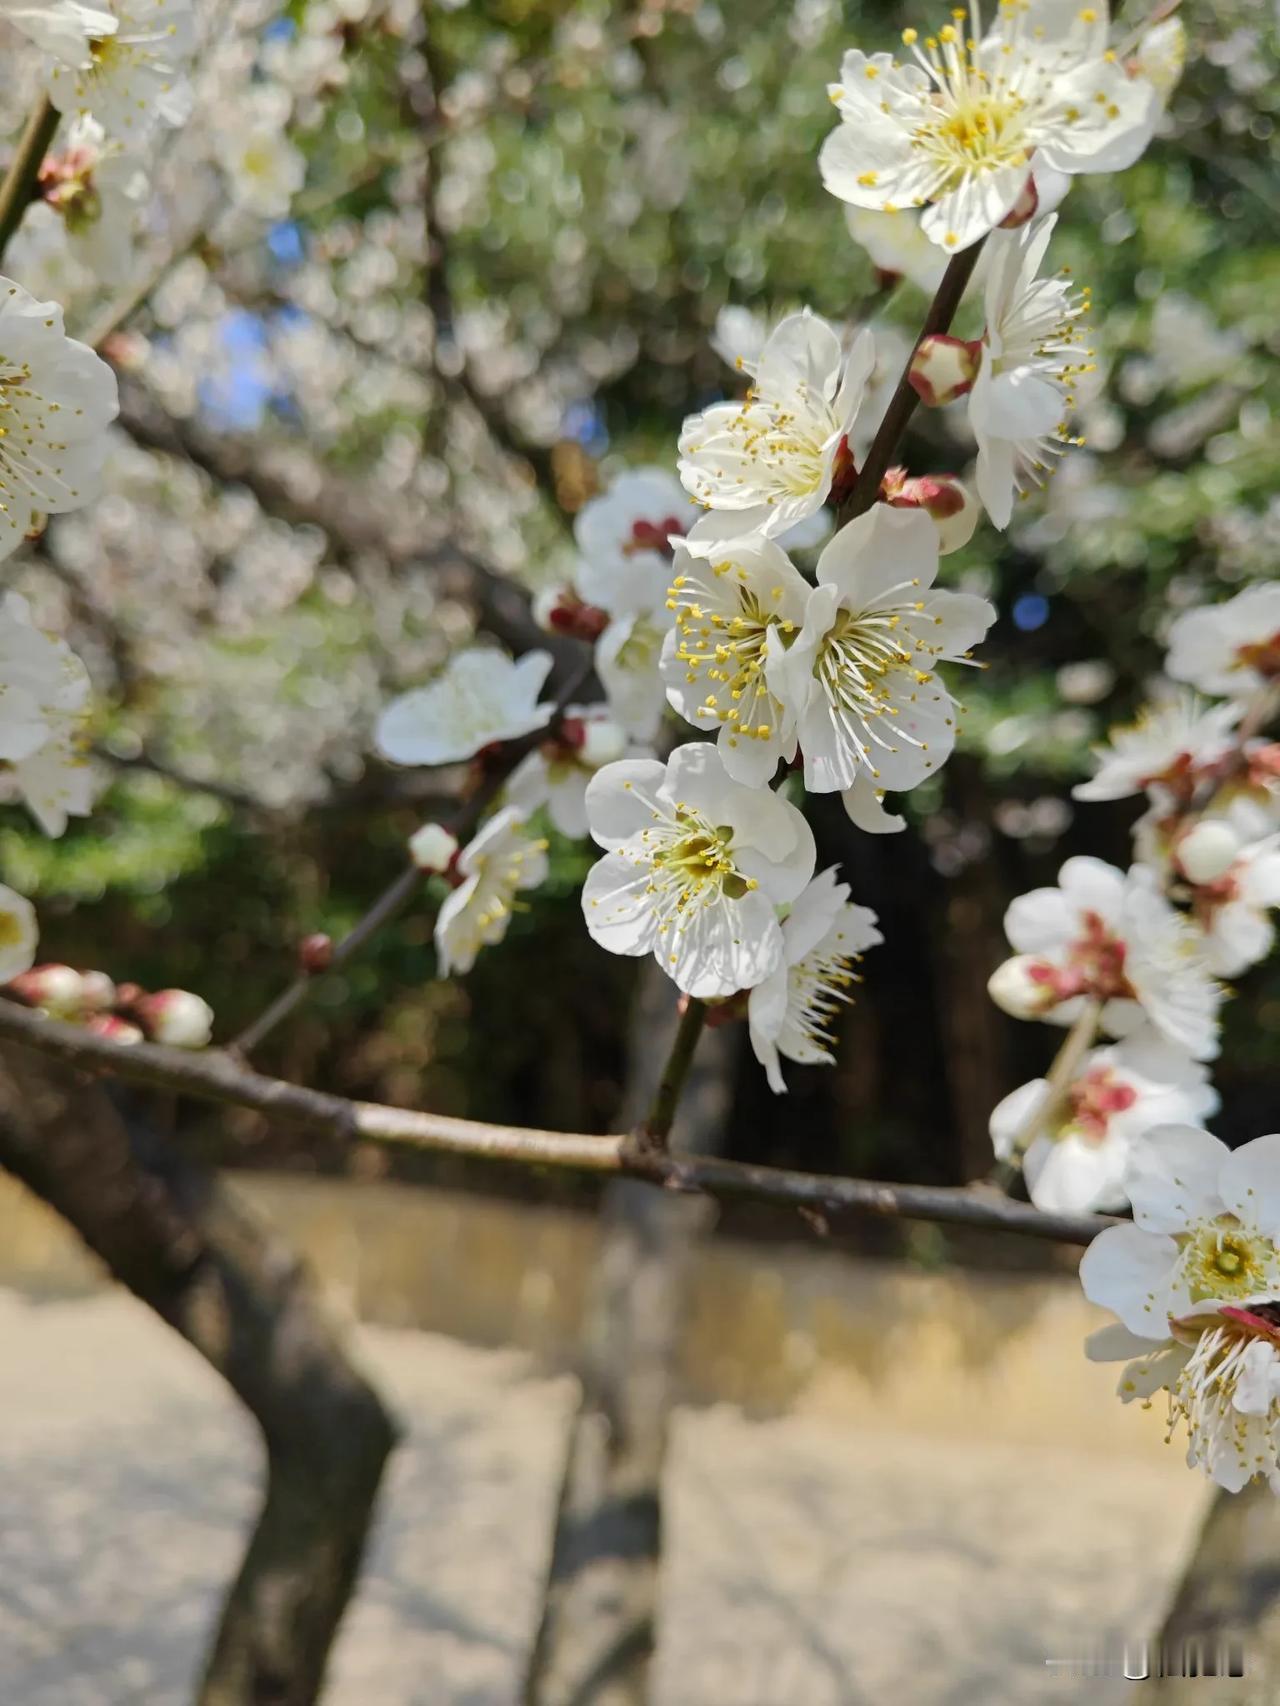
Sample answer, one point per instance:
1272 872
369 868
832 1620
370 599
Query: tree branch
19 187
214 1076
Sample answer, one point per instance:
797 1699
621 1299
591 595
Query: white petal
1172 1177
1129 1271
1249 1183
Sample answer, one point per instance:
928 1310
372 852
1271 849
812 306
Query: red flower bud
315 953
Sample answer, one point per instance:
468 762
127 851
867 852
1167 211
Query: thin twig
902 405
215 1076
18 190
1061 1075
657 1126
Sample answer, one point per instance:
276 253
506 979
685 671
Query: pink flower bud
1207 851
113 1028
315 953
55 989
97 992
561 611
432 848
1016 989
944 368
942 496
175 1017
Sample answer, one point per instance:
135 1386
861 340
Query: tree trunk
190 1250
597 1632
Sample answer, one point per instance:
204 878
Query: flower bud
315 953
113 1028
1206 851
1016 990
175 1017
943 496
561 611
53 988
944 368
432 848
97 992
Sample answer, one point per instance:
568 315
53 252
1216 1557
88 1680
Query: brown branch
214 1076
902 405
18 190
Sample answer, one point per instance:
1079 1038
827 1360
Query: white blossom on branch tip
1231 648
134 75
1031 358
694 869
481 696
1167 747
1109 936
792 1013
625 540
955 128
1076 1162
862 673
56 400
555 774
64 28
501 862
771 458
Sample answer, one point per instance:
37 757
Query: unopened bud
1025 208
97 992
432 848
315 953
561 611
944 368
113 1028
942 496
175 1017
1016 990
53 988
1207 851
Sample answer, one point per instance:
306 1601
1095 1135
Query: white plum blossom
135 74
56 400
791 1014
1233 907
627 659
481 696
264 169
95 187
492 870
1031 358
64 28
739 337
44 693
555 775
624 538
19 934
1195 1283
694 869
1076 1162
433 848
1168 747
1231 648
737 603
1112 937
872 712
771 458
956 127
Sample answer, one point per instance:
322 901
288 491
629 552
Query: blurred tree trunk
1229 1597
190 1250
597 1632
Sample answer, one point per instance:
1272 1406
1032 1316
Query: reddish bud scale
315 953
576 620
844 472
1025 208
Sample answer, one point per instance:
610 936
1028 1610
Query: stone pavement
853 1550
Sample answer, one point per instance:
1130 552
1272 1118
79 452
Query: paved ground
812 1561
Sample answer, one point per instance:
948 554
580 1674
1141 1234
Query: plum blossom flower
694 869
56 400
737 602
1030 361
791 1013
19 934
897 246
1109 936
1076 1162
771 458
625 540
957 129
498 864
264 169
480 697
627 659
64 28
1168 747
44 689
1231 648
135 74
556 774
1233 906
872 712
95 187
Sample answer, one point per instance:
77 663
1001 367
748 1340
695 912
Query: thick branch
213 1076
